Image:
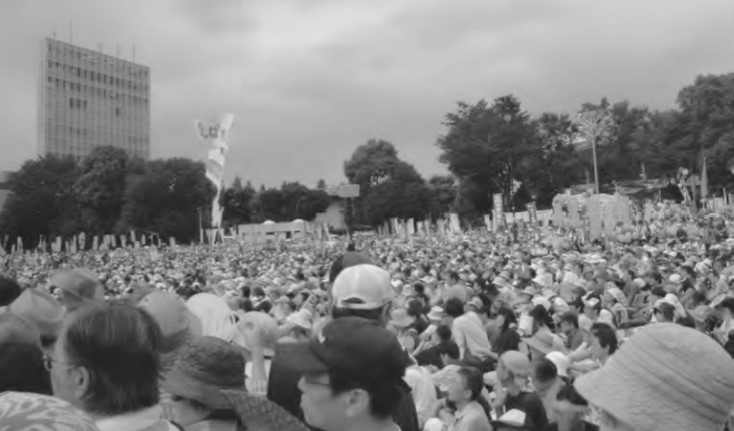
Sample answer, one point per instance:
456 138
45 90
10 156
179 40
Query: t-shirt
532 405
468 332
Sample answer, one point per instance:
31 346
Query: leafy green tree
100 188
403 195
443 193
236 201
488 148
42 200
164 199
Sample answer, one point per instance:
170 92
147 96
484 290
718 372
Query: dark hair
545 370
658 291
415 308
569 393
258 291
473 379
118 345
539 314
419 288
444 332
510 318
686 321
578 303
727 303
667 310
454 307
245 291
23 369
453 275
606 335
570 317
385 393
305 294
9 290
374 314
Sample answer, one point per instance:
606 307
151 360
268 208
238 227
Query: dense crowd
526 329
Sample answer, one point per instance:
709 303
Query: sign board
344 190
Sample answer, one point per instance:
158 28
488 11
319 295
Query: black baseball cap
359 347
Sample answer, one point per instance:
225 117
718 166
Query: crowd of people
526 329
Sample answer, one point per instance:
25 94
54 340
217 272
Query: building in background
88 99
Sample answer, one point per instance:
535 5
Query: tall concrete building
88 99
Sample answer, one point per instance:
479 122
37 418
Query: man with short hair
360 290
106 363
455 288
352 376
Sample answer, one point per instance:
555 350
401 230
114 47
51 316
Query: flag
704 181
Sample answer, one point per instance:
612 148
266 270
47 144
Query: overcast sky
310 80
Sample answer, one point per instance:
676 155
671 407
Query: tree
236 201
42 200
100 188
321 185
443 192
371 164
488 148
164 199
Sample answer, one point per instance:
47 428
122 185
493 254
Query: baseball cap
359 347
362 287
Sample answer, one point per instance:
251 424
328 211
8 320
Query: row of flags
83 241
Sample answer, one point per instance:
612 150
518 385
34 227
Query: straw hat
41 311
400 319
545 341
436 313
657 380
204 369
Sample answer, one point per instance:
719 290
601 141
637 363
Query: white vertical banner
218 136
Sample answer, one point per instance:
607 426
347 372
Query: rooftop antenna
54 32
117 50
133 52
71 32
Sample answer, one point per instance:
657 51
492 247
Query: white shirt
469 334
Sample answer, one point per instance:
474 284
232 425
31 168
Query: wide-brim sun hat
658 380
203 370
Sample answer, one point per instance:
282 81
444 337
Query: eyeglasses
48 362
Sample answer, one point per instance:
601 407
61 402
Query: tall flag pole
704 181
218 136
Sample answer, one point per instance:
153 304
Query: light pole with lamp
201 226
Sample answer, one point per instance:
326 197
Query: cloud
309 81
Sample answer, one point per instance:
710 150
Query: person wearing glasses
352 376
106 363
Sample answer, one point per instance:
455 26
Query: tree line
109 192
488 148
498 147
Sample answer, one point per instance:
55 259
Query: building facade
88 99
